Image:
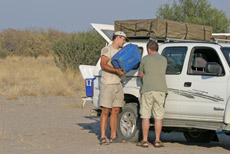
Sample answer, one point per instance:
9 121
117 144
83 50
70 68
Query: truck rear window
108 33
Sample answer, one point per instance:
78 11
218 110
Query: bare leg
113 121
158 127
145 129
104 121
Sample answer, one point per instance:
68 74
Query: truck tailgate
87 71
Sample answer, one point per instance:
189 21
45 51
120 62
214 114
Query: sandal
103 141
143 144
158 144
116 140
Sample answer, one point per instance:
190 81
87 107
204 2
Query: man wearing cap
154 89
111 96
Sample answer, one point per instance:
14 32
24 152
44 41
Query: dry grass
26 76
78 106
4 135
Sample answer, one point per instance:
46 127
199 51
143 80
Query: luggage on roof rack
161 29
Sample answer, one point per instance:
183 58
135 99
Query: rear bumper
93 112
86 99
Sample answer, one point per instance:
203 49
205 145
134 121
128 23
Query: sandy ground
57 125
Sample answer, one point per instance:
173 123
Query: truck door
226 51
203 95
175 57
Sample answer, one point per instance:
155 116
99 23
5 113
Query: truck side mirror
213 68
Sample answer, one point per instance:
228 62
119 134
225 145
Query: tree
79 48
196 12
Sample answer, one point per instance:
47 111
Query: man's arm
141 74
106 67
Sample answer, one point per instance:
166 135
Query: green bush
3 54
79 48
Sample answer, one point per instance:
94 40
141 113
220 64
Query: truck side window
226 52
175 58
199 57
141 51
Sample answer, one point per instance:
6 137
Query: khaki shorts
111 95
152 103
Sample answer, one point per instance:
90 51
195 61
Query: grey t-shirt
154 67
107 77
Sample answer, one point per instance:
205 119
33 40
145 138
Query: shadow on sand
178 137
94 127
172 137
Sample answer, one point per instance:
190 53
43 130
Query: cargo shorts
111 95
152 103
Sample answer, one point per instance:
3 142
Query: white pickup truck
198 101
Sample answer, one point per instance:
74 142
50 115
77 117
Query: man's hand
106 67
120 72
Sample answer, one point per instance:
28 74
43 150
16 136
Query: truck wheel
128 127
204 137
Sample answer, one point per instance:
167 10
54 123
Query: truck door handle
187 84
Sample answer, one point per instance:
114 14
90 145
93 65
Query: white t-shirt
107 77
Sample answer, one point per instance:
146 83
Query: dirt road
57 125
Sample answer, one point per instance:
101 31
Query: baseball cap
120 33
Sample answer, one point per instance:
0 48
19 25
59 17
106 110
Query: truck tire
129 124
204 137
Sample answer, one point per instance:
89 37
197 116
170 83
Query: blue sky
76 15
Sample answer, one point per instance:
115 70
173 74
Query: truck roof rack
221 40
221 37
167 40
175 40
